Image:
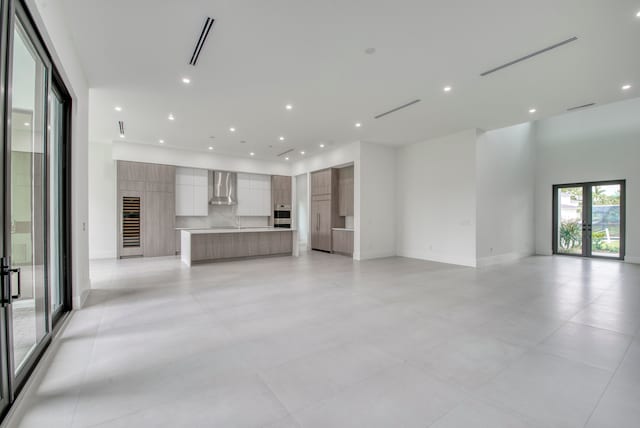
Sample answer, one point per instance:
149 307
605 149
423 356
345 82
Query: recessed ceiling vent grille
581 107
284 153
121 127
393 110
203 38
529 56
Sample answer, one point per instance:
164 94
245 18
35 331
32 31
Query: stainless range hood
222 188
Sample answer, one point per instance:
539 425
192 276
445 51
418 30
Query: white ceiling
261 55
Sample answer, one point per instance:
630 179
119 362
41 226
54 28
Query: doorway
35 245
589 219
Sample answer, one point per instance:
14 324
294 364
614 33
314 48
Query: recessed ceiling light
171 117
210 148
447 88
302 153
121 135
322 146
287 158
288 106
161 141
532 110
281 138
117 108
638 14
27 124
232 129
251 154
626 87
186 80
358 125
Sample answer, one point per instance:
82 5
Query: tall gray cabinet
324 208
146 209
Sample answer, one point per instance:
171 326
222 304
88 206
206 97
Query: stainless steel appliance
282 216
222 188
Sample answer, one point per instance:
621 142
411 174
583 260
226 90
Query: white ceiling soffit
261 55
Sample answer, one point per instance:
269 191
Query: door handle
15 296
5 282
6 271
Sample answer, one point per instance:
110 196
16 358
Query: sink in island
206 245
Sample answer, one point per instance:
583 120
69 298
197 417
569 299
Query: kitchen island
206 245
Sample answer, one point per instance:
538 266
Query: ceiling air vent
531 55
393 110
284 153
580 107
203 38
121 128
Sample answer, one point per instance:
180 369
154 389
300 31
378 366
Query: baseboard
79 301
500 259
634 260
100 255
446 260
379 255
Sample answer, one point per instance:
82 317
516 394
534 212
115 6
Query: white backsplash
348 222
221 216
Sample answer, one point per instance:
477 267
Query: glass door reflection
28 197
606 220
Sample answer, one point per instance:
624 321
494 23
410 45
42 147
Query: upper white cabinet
254 195
192 193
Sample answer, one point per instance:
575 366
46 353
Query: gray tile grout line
606 388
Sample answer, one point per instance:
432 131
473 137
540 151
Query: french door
34 228
589 219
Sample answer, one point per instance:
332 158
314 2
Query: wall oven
282 216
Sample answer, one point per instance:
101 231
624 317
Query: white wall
376 212
596 144
505 226
168 156
50 21
302 210
102 201
435 200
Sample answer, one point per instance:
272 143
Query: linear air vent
393 110
284 153
580 107
121 127
531 55
203 38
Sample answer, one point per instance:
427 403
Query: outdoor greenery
570 236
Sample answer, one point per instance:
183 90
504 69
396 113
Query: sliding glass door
589 219
35 228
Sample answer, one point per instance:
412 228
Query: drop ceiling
261 55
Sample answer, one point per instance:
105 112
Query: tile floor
322 341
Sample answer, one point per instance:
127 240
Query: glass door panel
605 220
589 219
28 198
570 220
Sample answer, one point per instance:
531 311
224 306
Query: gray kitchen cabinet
321 223
321 182
146 203
345 191
280 190
324 208
342 241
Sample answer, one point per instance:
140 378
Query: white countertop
236 230
342 228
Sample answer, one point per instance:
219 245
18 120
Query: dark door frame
11 11
586 217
